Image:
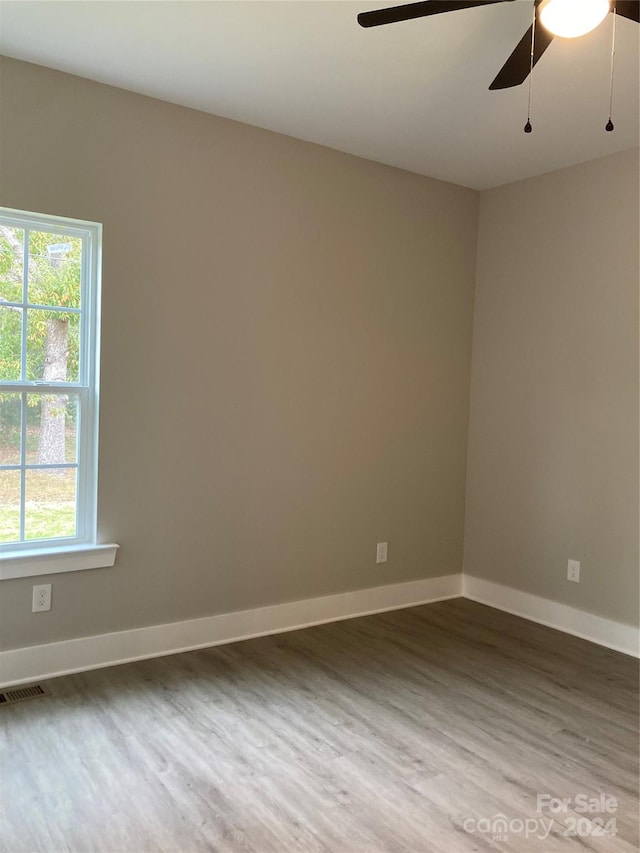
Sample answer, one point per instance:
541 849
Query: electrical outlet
41 598
573 571
381 552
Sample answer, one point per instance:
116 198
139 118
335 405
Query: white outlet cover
41 600
381 552
573 571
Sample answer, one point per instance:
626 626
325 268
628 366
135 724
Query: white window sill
51 560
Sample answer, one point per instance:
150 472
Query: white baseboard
33 663
588 626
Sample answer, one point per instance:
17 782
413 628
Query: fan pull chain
609 126
528 128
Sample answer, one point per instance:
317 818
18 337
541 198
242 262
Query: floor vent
18 694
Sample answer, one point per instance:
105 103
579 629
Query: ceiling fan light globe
572 18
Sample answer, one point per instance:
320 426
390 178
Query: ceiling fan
564 18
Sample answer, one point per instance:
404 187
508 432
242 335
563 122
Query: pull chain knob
609 125
527 127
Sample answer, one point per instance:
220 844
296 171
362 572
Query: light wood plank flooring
395 732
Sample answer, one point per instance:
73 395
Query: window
49 340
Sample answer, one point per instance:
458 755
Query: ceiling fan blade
377 17
628 9
516 69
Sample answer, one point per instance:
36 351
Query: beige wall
286 350
286 380
553 439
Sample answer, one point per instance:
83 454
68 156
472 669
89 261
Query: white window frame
82 551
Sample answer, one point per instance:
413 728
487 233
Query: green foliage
54 276
10 331
11 242
53 280
10 423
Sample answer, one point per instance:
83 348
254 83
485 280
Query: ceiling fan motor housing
572 18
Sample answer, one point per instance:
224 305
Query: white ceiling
412 94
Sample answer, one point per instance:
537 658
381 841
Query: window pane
44 284
50 503
52 346
9 506
11 257
54 269
52 429
10 428
10 337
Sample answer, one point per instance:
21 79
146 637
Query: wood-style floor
395 732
